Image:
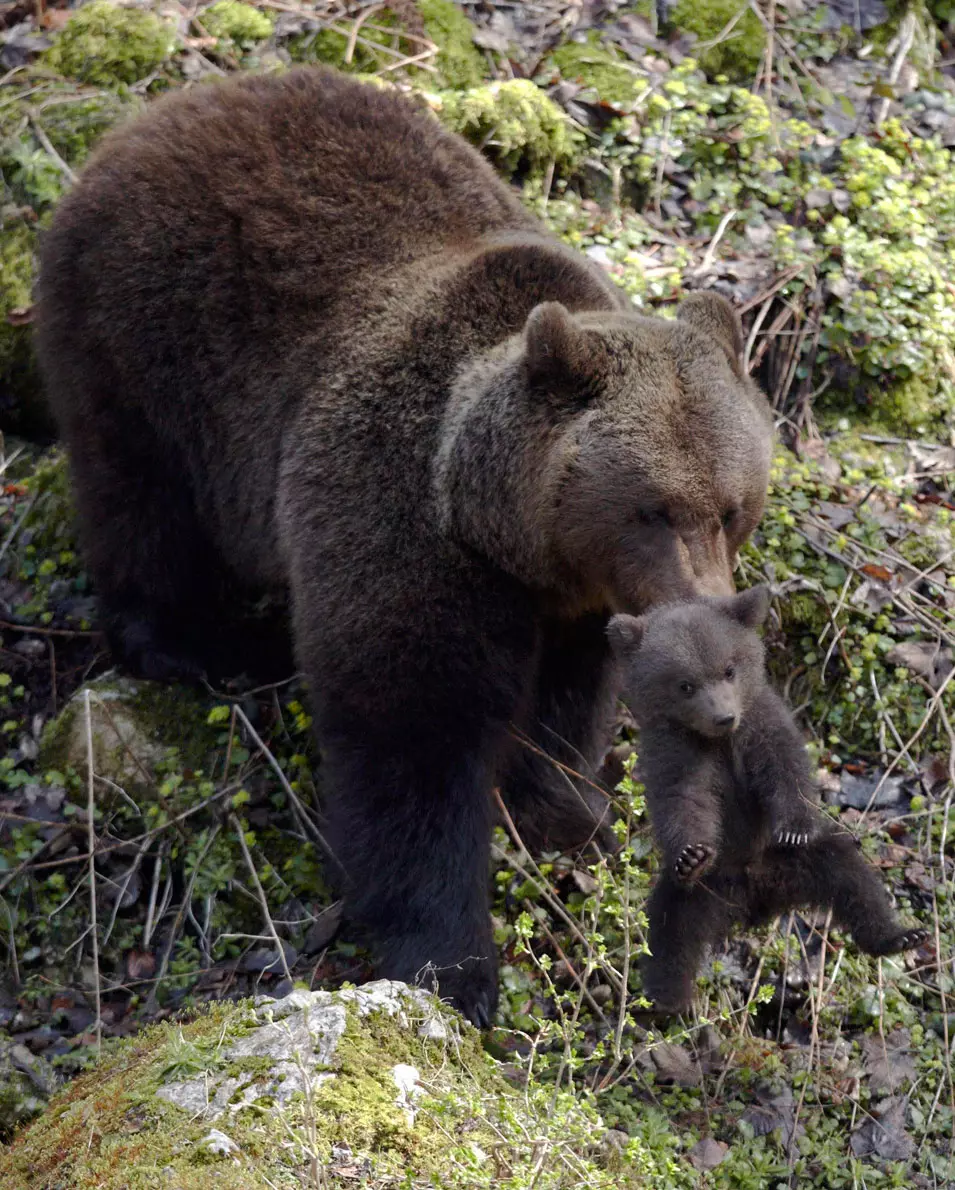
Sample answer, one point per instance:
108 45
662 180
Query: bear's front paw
693 861
792 838
472 990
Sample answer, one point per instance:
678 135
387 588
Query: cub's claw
692 862
912 939
792 838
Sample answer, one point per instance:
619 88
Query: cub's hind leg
685 919
831 872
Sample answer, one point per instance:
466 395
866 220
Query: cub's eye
687 688
728 518
653 516
730 672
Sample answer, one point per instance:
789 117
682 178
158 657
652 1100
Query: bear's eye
730 672
687 688
653 516
728 517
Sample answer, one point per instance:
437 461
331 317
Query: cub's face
696 664
664 468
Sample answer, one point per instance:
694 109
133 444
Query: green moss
459 61
17 267
233 21
514 122
106 45
737 55
596 66
109 1130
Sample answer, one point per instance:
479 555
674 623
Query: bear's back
249 210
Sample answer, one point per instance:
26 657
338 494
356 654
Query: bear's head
697 664
614 460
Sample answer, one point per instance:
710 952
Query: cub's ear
625 634
559 355
750 607
716 317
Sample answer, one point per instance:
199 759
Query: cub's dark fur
299 338
731 795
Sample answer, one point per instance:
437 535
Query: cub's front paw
693 861
795 829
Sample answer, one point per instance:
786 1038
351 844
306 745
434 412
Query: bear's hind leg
831 872
684 921
552 783
159 587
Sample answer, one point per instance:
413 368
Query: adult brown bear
298 337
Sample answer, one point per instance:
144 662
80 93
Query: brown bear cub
299 339
731 796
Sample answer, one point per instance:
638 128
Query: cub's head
697 664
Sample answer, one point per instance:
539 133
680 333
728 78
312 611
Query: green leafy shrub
106 45
233 21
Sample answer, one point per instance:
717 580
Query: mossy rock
236 23
110 46
382 1078
514 123
738 54
598 66
458 61
26 1083
133 725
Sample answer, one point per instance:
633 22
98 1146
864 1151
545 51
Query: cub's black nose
726 721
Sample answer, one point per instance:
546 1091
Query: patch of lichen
386 39
735 53
109 46
236 23
514 123
598 65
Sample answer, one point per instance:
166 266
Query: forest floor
796 157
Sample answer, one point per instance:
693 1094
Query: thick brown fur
299 338
731 796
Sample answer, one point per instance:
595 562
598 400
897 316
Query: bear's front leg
773 756
683 792
552 782
413 705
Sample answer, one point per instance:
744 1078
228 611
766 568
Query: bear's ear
750 607
558 352
625 634
716 317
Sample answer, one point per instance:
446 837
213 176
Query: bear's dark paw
140 646
907 940
693 861
472 990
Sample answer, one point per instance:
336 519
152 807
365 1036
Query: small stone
30 646
218 1143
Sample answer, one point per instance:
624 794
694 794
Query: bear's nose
726 721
